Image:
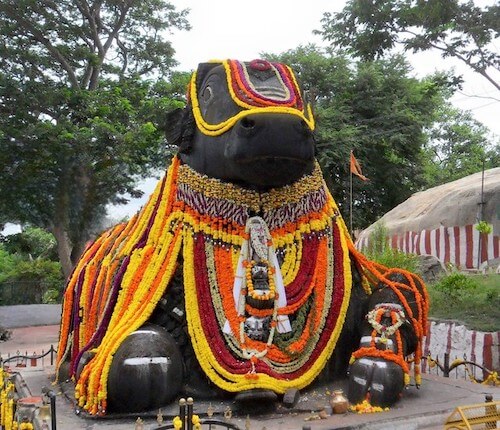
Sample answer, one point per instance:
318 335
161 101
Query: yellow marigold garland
222 127
144 253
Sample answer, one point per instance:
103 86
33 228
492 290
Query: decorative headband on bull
255 87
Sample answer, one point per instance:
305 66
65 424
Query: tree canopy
460 29
377 110
81 92
458 146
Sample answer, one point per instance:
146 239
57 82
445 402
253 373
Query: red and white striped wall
457 245
479 347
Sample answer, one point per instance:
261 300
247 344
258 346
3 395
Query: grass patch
473 300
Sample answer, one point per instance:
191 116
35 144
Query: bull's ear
203 70
172 126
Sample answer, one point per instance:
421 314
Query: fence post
189 419
490 411
446 366
182 412
52 396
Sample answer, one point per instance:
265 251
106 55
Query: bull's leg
146 372
378 370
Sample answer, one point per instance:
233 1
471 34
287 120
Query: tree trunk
63 249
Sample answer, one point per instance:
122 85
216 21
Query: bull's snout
270 149
265 136
252 124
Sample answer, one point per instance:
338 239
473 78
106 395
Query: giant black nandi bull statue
239 273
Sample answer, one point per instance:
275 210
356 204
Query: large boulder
441 221
430 268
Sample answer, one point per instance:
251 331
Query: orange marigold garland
126 272
416 287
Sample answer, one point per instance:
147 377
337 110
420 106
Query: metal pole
189 418
182 412
481 218
446 367
52 396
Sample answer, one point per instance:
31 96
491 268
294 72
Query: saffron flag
356 168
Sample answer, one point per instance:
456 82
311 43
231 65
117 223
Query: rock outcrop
440 221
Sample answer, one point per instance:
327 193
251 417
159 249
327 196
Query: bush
457 286
28 271
29 281
8 263
380 251
473 300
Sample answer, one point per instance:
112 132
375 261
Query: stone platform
427 407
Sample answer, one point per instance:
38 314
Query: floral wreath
389 310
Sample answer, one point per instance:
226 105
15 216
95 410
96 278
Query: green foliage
379 239
457 147
456 286
380 251
484 227
369 29
376 109
29 281
32 242
79 119
8 263
27 274
473 300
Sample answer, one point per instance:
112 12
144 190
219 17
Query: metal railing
460 368
22 360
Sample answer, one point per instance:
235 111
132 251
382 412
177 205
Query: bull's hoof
256 401
382 381
146 372
291 398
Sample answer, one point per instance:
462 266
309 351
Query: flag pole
350 195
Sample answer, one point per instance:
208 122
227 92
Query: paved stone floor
426 408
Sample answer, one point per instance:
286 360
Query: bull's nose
250 125
247 126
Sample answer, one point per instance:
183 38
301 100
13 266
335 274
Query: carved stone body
254 282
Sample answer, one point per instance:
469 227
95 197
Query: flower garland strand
416 287
235 80
127 270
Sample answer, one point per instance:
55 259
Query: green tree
459 29
31 243
28 270
77 113
457 147
8 263
379 111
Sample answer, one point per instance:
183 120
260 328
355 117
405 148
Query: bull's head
245 123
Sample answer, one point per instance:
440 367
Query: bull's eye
206 95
